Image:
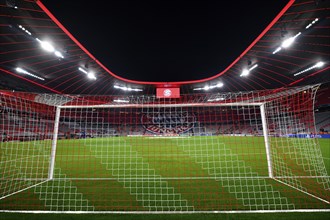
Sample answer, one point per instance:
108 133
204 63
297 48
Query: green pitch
153 174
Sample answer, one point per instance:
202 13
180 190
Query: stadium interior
77 137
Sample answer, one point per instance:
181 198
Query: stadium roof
292 50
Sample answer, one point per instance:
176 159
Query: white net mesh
205 152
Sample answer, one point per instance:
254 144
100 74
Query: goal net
244 151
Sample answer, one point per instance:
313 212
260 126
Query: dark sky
166 40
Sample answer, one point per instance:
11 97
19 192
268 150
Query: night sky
165 41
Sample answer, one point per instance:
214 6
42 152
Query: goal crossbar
159 105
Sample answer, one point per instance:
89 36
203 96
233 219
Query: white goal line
146 178
168 212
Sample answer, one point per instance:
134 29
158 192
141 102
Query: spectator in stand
4 137
83 134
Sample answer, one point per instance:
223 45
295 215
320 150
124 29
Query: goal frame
261 105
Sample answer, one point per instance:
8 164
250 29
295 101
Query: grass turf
116 160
